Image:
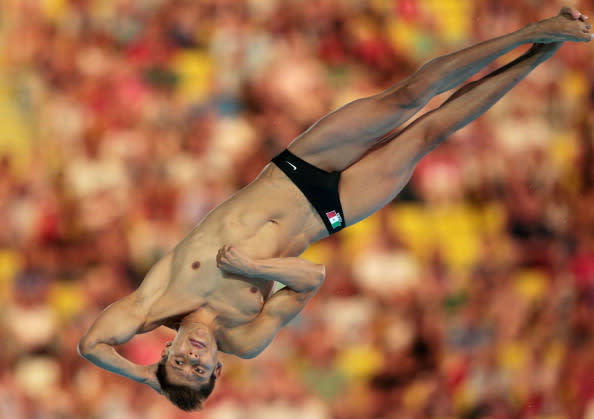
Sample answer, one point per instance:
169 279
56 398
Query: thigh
342 137
377 178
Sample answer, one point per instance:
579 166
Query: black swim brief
319 187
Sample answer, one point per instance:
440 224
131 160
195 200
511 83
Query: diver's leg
376 179
345 135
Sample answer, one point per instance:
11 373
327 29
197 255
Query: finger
233 252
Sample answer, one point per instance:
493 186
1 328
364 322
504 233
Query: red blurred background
123 122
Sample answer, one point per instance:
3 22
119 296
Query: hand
231 260
149 374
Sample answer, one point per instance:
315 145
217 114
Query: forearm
105 356
296 273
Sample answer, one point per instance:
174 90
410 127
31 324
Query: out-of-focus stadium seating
123 122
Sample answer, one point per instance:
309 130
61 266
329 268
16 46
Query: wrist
251 270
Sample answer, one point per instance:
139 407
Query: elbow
321 275
411 95
317 278
252 350
248 355
85 347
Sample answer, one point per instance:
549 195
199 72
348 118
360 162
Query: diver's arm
117 324
297 274
248 340
302 280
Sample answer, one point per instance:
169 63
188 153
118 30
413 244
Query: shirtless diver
215 286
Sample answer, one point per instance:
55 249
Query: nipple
195 265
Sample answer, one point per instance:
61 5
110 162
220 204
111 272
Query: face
192 357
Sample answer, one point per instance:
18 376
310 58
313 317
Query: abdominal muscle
268 218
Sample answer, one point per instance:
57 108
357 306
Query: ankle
530 34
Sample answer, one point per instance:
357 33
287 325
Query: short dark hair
184 397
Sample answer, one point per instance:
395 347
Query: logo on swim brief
292 165
334 218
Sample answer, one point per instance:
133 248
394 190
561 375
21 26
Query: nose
193 356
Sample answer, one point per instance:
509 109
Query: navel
195 265
254 290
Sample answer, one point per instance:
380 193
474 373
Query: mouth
197 343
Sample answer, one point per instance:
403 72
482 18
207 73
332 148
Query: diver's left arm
297 274
116 325
302 280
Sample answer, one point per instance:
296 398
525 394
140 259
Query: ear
165 351
218 369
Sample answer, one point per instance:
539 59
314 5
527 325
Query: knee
432 132
414 93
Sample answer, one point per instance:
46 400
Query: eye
178 362
199 370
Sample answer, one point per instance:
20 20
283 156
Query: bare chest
193 280
235 299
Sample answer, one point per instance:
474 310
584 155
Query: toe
571 13
576 14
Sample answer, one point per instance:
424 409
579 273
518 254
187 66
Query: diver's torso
267 219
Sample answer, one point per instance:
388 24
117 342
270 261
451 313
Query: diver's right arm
298 274
117 324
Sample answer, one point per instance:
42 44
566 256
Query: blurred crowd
470 296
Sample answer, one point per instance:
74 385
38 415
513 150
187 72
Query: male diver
215 286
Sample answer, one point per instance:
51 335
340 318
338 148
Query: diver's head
189 366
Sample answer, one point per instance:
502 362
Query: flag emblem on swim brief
334 218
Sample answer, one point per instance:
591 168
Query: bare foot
568 25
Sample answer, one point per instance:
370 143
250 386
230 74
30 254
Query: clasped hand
234 261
